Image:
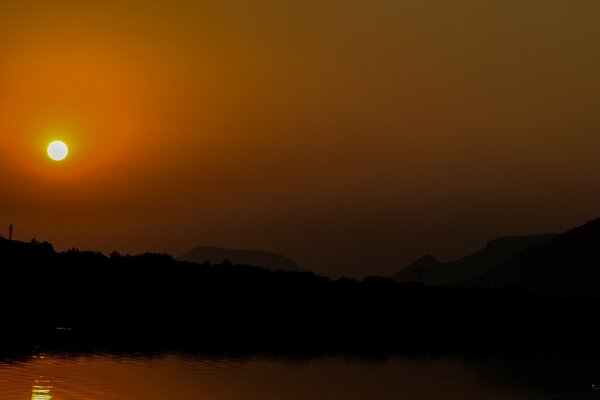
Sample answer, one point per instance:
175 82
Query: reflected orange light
41 390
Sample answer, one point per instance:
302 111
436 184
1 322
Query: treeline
86 300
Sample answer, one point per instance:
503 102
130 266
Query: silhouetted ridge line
216 255
566 266
154 301
431 271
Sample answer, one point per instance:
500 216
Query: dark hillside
80 299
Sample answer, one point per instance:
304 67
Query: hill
81 300
565 266
264 259
431 271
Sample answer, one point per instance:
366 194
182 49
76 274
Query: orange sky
351 136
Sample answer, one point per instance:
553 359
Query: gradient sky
350 136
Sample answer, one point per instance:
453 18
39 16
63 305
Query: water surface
184 377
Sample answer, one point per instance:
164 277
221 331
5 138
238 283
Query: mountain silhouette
565 266
431 271
264 259
83 300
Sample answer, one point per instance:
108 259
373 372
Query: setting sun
58 150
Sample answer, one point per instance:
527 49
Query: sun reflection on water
41 390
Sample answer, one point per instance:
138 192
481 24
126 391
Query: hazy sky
352 136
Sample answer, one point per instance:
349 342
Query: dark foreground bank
85 300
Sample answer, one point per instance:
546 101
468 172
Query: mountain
565 266
431 271
216 255
78 301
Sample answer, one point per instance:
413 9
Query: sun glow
58 150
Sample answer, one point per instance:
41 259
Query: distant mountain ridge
431 271
566 266
264 259
151 302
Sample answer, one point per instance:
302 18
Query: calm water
180 377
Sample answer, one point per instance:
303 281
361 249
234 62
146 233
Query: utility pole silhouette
10 231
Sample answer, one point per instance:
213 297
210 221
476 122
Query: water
184 377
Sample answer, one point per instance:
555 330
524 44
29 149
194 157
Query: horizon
307 199
352 138
178 257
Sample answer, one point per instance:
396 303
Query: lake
177 376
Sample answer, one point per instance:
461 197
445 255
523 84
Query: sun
58 150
